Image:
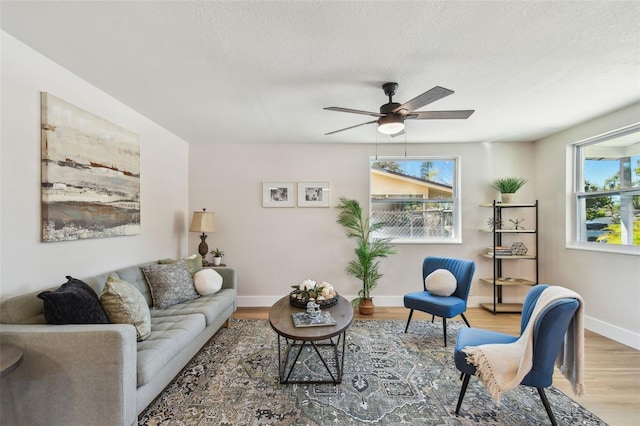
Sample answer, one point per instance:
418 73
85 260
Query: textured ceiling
255 72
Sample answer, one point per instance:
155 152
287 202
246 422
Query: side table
10 359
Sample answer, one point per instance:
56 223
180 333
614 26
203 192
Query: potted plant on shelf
369 249
507 187
217 256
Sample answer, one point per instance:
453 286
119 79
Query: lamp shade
390 124
203 222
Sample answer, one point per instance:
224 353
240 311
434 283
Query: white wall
608 282
274 248
28 264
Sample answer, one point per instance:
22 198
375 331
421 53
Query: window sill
604 248
429 241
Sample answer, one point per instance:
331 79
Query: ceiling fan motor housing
388 108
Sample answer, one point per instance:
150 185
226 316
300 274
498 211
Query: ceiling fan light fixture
390 124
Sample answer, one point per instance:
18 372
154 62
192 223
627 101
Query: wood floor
612 370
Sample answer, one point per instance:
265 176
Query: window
416 199
607 189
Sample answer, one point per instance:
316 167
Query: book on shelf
499 251
303 319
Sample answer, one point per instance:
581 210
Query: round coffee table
280 318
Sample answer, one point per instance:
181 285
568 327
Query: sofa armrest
228 277
70 375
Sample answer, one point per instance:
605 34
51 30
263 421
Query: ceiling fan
392 115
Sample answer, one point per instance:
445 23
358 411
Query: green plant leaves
365 266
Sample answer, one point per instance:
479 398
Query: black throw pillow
73 303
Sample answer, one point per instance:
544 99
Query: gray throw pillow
124 304
169 283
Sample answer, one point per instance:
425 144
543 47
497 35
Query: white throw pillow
441 282
207 281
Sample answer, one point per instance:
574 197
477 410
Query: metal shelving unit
498 280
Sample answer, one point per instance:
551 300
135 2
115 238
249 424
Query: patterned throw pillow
193 262
124 304
169 283
441 282
73 303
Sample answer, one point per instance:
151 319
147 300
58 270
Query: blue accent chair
548 336
441 306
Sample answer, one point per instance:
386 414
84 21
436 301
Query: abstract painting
90 175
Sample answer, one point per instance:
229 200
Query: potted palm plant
507 187
368 250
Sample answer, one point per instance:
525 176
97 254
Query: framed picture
90 175
278 194
313 194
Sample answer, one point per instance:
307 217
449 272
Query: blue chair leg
444 329
465 320
463 390
408 321
545 402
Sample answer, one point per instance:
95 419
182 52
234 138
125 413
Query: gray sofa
98 374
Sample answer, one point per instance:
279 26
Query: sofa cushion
74 302
209 306
169 283
441 282
169 336
207 282
193 262
134 276
124 304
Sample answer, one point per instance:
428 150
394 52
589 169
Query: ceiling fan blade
425 99
352 127
355 111
437 115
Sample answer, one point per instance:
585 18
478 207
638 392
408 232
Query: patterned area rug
390 378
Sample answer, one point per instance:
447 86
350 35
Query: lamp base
203 248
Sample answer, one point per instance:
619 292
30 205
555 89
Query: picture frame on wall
90 171
278 194
314 194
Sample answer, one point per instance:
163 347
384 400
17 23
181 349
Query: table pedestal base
286 367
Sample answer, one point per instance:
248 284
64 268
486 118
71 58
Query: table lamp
203 222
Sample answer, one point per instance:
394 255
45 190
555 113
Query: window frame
456 202
575 238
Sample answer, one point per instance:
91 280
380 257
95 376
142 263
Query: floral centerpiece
323 294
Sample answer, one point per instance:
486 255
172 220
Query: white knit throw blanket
502 366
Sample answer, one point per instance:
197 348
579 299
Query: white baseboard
613 332
267 301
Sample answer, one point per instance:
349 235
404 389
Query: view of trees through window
608 195
415 198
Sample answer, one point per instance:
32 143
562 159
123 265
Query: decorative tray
302 303
303 319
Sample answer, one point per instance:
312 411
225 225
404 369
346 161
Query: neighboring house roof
440 187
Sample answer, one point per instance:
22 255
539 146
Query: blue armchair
548 335
443 306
